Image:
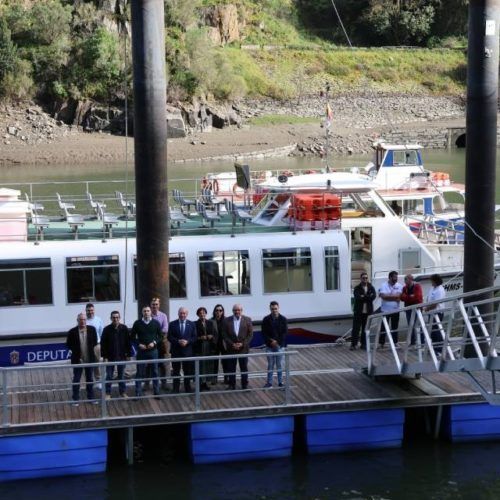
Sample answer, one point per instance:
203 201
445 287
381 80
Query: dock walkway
326 377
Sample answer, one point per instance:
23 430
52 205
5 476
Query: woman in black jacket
218 319
206 345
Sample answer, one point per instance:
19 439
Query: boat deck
322 378
193 226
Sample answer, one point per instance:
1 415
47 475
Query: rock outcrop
223 24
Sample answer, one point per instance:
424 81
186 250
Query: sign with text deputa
15 355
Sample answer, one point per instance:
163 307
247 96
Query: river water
452 161
421 469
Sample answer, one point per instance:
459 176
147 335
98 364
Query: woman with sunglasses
206 345
218 318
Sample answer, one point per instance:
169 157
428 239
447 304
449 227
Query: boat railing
459 333
41 393
432 229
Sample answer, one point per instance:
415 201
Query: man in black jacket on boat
364 295
81 341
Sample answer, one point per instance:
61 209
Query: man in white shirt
164 347
390 293
97 323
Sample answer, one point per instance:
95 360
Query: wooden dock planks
324 378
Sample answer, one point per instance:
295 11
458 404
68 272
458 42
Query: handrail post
287 375
104 408
197 384
5 399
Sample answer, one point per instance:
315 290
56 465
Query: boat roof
336 181
395 147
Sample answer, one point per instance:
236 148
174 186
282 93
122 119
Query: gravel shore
29 136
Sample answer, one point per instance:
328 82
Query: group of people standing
157 344
392 294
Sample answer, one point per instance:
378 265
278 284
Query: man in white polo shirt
390 293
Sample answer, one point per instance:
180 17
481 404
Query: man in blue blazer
182 336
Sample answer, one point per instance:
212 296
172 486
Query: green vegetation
59 49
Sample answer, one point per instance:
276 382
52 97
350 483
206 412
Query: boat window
287 270
224 273
405 158
332 268
93 279
177 275
25 282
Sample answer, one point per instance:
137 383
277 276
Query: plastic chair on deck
108 221
95 204
176 216
183 202
128 207
207 215
63 205
210 199
237 213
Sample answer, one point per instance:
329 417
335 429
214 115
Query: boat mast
481 136
328 125
150 143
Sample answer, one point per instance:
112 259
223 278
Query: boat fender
287 173
215 186
310 171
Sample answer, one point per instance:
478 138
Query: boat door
360 244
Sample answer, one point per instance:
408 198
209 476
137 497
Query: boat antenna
327 124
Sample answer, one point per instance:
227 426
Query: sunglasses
219 310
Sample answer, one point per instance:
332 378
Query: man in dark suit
237 334
81 341
364 295
182 336
274 331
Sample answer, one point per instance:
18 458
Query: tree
8 51
99 69
401 22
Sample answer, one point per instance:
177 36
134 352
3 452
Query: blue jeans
141 373
109 377
275 361
77 375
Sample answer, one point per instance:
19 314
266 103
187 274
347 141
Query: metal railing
53 389
455 334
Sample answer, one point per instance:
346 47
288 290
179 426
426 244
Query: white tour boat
305 246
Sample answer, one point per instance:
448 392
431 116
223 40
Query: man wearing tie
182 336
237 334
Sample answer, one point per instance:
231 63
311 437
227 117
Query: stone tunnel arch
460 141
456 137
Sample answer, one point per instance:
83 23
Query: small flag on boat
329 115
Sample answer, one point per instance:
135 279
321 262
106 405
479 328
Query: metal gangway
457 334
